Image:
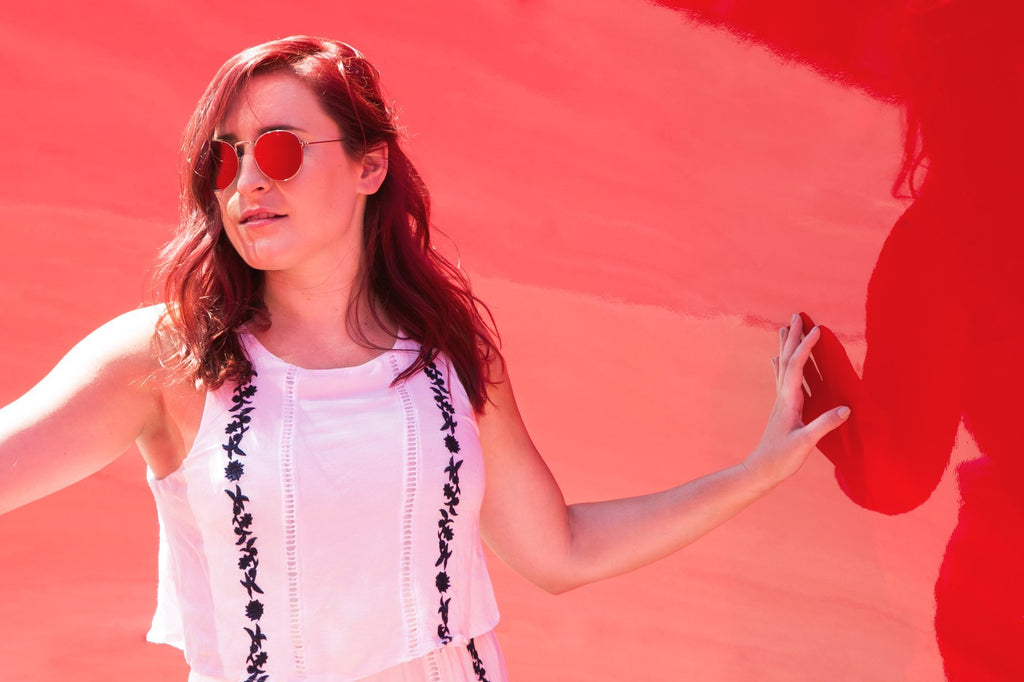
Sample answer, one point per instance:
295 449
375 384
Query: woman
321 406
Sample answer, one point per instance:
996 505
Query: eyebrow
266 129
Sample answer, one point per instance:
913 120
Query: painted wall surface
643 193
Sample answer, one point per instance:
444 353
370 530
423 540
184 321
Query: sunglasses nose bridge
250 175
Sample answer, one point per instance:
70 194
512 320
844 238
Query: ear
375 169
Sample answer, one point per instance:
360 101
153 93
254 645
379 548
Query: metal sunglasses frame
239 151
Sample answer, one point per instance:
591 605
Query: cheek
230 228
329 200
225 200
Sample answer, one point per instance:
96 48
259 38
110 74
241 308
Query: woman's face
312 223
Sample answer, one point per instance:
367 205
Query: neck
312 320
320 310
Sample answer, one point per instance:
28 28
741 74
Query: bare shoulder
499 389
132 336
97 401
500 421
124 357
120 352
124 345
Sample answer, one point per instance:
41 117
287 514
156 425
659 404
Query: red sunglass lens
278 154
225 164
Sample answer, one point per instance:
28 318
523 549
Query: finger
783 332
818 362
813 377
826 422
793 372
792 341
821 375
816 403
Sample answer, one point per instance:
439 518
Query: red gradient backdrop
641 196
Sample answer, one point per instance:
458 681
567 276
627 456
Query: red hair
211 293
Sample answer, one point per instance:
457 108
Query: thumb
826 422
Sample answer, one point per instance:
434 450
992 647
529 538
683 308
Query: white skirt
452 663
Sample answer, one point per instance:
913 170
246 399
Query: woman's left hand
787 441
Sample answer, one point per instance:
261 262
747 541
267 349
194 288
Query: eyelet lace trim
406 566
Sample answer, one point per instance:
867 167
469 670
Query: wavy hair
211 293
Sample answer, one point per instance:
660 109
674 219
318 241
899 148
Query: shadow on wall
944 330
852 42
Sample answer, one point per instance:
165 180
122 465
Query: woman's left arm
526 521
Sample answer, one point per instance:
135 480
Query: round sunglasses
278 155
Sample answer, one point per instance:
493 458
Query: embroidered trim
242 521
478 665
446 526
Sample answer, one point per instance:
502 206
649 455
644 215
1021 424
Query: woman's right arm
85 413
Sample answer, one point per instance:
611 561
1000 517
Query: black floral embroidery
254 610
442 582
451 444
478 665
234 470
446 524
241 520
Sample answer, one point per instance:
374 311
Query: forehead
274 100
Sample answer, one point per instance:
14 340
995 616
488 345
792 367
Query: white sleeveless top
325 524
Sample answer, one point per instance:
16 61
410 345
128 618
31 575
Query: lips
255 216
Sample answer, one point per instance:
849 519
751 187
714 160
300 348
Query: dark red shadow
944 332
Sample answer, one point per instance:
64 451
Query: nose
250 177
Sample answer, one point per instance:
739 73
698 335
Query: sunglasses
278 155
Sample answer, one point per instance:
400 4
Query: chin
262 254
259 260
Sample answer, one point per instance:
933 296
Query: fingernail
843 412
795 318
782 332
